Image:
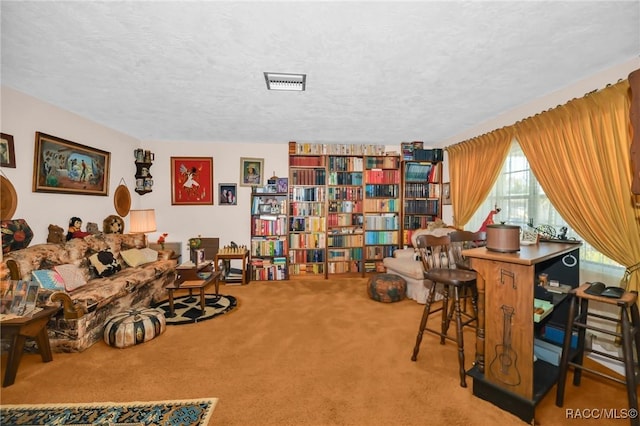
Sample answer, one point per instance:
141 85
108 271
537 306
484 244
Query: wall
23 115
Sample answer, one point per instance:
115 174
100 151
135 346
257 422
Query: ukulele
503 367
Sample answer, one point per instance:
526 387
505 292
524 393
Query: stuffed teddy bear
113 225
92 228
56 234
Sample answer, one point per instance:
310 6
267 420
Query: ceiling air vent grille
282 81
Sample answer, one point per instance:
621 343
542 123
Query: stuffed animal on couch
113 225
75 231
56 234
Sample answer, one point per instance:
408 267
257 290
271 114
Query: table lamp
142 221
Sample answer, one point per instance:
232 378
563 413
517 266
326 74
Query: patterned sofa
85 309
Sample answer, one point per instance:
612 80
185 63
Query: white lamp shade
142 221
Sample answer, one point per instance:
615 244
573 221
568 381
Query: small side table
18 330
244 256
191 284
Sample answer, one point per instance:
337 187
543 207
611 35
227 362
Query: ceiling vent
281 81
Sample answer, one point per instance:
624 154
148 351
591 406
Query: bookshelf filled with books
421 195
381 209
269 236
307 214
344 214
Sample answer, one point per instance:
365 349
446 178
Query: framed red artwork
191 180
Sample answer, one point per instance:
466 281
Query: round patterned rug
187 308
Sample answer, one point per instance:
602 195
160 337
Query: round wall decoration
8 199
122 200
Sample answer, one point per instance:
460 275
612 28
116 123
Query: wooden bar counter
505 372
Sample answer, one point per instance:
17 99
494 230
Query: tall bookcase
421 196
269 236
381 209
344 214
307 214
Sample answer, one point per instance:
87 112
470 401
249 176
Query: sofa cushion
136 257
105 263
49 279
133 257
72 276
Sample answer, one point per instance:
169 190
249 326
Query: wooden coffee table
19 330
201 284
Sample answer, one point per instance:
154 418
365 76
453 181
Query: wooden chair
438 260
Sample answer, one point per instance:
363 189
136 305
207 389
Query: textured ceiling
377 72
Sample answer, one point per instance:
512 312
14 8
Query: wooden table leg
171 311
202 300
42 339
13 361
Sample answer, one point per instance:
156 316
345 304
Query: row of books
307 208
344 219
429 207
379 252
270 227
269 270
306 224
335 149
269 247
382 190
380 237
382 205
308 194
344 254
421 190
345 240
386 162
307 241
382 176
381 221
308 176
347 164
345 206
306 268
344 266
417 222
308 161
345 193
306 256
345 178
422 172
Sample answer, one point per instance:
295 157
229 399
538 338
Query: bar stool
629 335
436 258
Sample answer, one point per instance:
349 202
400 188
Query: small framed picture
200 257
7 151
251 171
446 194
264 209
227 194
282 184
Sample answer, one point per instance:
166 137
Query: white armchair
405 262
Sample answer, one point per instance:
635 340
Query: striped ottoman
387 288
134 326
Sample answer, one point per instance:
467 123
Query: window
523 202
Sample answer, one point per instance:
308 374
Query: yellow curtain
580 154
474 166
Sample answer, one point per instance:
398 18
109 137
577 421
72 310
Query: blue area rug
187 412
